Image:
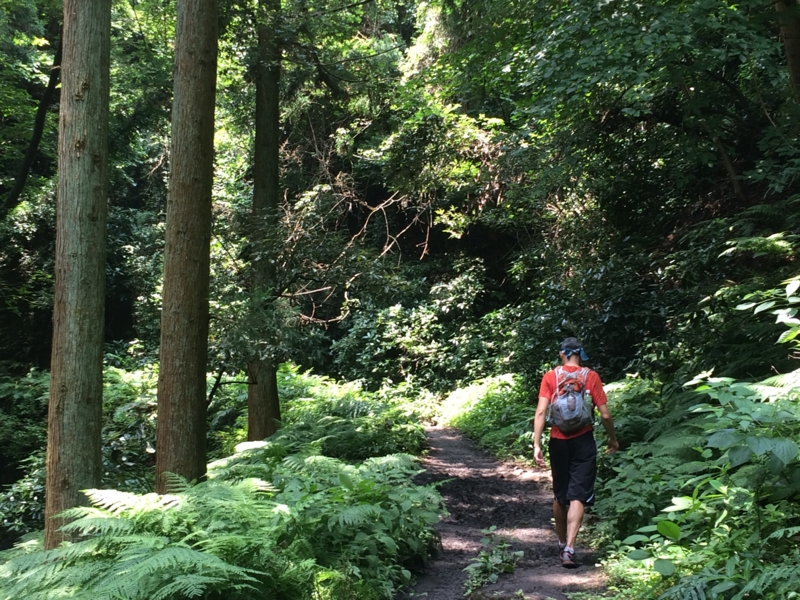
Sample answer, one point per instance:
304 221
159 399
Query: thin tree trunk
13 198
789 21
76 378
181 430
730 169
263 403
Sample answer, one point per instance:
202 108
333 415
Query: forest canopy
413 198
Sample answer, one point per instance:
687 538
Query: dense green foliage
465 183
497 412
287 517
310 527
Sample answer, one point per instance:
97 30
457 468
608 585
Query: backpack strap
558 372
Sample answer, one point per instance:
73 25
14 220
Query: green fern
355 516
776 580
785 532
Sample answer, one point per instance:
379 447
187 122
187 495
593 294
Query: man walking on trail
573 452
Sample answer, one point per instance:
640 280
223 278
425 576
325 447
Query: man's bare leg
560 515
574 520
568 521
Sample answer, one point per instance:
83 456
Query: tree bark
76 378
263 402
12 199
789 21
181 429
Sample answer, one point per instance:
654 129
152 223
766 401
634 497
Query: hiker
571 392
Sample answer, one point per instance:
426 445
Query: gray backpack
571 407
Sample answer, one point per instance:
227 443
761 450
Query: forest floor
480 492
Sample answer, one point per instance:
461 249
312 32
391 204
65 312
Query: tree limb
13 199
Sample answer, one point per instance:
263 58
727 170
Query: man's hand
538 455
538 428
613 446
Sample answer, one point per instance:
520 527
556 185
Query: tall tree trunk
76 378
263 403
789 21
181 430
13 198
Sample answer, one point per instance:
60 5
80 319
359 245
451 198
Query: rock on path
483 492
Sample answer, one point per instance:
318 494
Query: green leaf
731 565
345 481
793 286
759 445
764 306
638 555
388 542
722 587
775 465
738 455
669 530
723 439
632 539
788 335
664 566
745 306
785 450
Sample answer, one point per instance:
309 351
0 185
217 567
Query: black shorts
574 466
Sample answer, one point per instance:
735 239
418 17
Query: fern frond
355 516
98 525
175 484
784 532
127 578
786 575
295 462
119 503
689 588
186 586
402 463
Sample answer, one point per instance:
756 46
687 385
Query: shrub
314 527
497 412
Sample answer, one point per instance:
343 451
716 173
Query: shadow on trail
480 492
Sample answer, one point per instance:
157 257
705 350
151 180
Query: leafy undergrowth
704 500
351 423
706 504
494 559
497 413
324 509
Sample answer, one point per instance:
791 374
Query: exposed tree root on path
518 501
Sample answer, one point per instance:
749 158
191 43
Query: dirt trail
484 492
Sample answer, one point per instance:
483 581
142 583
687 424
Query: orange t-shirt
593 384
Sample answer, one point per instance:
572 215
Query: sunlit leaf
681 503
669 529
764 306
632 539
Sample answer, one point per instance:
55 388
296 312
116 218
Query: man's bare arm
538 428
608 425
